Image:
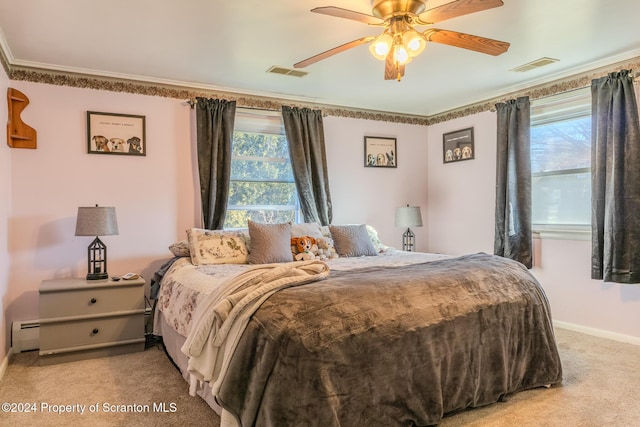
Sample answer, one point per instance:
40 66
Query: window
561 161
262 187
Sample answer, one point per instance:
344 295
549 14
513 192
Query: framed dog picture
110 133
458 146
380 152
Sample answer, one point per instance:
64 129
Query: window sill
562 232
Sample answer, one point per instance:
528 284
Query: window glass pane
262 186
561 145
243 193
560 167
258 156
562 199
238 218
260 144
243 168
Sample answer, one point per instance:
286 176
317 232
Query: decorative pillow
373 235
352 240
180 248
216 247
311 229
270 243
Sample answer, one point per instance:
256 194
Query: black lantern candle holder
96 221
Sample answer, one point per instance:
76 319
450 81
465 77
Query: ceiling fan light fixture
413 42
381 46
400 42
401 55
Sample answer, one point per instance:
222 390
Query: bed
392 338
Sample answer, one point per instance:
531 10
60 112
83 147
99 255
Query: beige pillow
216 247
352 240
270 243
311 229
180 249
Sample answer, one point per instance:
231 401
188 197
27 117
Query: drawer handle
95 331
93 301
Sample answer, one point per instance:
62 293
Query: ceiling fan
400 42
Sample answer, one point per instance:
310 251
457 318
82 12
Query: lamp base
408 240
97 276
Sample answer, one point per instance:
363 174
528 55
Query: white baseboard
5 363
597 332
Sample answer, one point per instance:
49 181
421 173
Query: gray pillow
270 243
352 240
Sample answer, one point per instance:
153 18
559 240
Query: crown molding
178 90
560 85
88 79
5 53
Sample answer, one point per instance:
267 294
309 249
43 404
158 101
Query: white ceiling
229 45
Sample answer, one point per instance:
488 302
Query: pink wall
5 210
461 198
155 196
371 195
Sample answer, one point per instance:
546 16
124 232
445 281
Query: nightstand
82 319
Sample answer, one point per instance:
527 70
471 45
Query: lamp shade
408 216
96 221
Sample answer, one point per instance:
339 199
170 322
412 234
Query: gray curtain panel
214 123
615 180
513 182
305 134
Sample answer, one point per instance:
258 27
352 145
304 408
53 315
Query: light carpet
600 388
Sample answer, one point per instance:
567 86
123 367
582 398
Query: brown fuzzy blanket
398 346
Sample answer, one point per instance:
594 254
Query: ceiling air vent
287 71
535 64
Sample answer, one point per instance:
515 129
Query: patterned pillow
373 235
352 240
216 247
180 249
270 243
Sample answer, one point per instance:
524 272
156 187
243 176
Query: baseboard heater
25 335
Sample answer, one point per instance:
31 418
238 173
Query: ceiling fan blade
391 72
348 14
466 41
455 9
331 52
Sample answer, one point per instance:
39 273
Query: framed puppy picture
458 145
110 133
380 152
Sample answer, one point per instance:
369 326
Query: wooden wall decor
19 134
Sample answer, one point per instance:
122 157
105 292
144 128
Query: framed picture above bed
458 145
380 152
111 133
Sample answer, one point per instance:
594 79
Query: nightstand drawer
77 302
81 319
89 331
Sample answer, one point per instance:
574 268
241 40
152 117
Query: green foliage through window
262 187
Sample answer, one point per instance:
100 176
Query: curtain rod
193 101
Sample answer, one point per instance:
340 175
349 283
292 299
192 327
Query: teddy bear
326 250
303 248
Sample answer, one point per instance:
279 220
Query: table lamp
96 221
407 217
